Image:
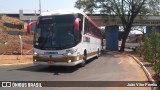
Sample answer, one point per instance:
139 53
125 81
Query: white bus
65 38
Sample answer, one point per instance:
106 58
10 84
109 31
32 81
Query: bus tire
98 53
84 59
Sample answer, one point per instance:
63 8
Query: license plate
50 62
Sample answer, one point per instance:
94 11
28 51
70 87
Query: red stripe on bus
92 22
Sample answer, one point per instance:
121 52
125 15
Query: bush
152 50
148 54
1 16
140 51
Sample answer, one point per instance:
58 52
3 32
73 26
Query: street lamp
40 6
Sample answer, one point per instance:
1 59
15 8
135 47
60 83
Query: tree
126 10
86 5
152 49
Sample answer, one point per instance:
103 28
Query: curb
16 64
148 74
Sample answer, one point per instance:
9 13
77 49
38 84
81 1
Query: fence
10 42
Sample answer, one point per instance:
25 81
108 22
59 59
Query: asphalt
108 67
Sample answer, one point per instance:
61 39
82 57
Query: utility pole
40 6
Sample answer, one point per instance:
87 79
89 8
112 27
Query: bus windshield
55 32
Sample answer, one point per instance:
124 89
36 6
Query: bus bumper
61 61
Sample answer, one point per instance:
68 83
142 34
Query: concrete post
149 30
20 14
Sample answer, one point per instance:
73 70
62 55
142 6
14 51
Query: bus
65 38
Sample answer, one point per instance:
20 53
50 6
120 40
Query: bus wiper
42 42
48 37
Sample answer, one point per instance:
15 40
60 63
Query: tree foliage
126 10
152 49
86 5
148 54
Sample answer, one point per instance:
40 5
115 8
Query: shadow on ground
148 65
56 70
114 54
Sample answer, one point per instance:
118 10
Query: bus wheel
84 59
98 53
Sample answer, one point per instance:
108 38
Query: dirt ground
15 59
10 44
9 37
149 67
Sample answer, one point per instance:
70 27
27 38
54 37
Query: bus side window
80 25
78 34
91 28
86 28
81 21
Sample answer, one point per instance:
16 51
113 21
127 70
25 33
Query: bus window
78 34
80 16
86 28
55 32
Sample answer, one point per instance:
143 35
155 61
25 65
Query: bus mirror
31 26
76 25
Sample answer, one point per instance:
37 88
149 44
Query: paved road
109 67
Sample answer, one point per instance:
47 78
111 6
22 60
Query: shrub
1 16
152 49
140 51
148 54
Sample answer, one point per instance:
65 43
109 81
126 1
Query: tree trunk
123 45
125 36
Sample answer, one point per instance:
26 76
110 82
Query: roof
63 11
67 11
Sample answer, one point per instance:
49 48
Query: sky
29 6
13 6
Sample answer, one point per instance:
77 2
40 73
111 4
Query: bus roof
67 11
63 11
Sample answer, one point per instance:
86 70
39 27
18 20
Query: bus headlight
69 61
69 52
35 53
